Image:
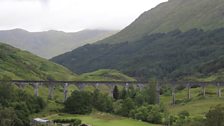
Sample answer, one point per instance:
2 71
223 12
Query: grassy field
102 119
197 105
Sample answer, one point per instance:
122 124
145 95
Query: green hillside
197 105
171 15
51 43
18 64
174 55
105 75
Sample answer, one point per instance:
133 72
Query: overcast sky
71 15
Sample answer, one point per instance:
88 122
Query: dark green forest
17 106
169 56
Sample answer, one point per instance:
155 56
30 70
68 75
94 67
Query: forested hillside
172 55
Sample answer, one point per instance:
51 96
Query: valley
165 68
197 100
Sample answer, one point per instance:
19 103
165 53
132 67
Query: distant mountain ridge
172 15
48 44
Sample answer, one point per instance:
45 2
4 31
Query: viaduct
111 84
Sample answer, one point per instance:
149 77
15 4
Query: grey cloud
71 15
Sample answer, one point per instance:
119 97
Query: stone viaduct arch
111 84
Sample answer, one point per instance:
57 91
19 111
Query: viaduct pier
111 84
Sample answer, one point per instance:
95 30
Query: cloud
42 2
71 15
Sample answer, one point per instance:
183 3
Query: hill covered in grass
174 55
171 15
18 64
22 65
105 75
51 43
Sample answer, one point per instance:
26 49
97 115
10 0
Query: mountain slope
170 55
171 15
18 64
51 43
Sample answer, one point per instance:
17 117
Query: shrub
102 102
126 107
182 119
79 103
215 116
8 117
74 122
155 115
21 103
117 106
149 113
184 114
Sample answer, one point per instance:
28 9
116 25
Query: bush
155 115
140 113
79 103
74 122
148 113
184 114
127 106
102 102
8 117
20 103
123 107
182 119
117 106
215 116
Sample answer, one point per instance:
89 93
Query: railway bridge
111 84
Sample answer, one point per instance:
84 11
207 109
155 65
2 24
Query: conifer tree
116 93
